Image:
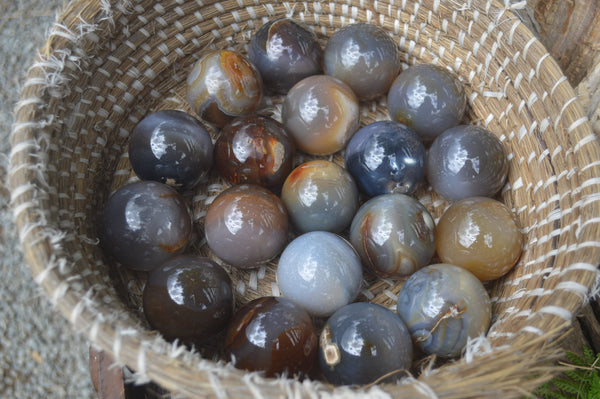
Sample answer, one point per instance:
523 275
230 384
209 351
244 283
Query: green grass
580 380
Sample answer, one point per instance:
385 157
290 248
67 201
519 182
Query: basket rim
136 349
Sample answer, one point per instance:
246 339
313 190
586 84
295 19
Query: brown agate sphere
481 235
254 149
246 225
188 298
274 335
321 113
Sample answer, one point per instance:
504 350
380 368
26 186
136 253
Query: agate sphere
320 271
362 342
223 84
386 157
321 113
443 305
394 235
285 51
246 225
467 161
172 147
189 298
274 335
481 235
254 149
363 56
144 224
320 195
427 98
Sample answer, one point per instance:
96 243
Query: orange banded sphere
321 113
222 85
481 235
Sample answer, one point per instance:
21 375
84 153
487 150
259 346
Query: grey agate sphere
466 161
443 306
144 224
320 271
427 98
363 56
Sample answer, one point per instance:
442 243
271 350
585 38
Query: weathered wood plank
570 30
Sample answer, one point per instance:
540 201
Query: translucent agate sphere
467 161
320 195
443 306
320 271
394 235
285 51
365 57
321 113
428 99
481 235
223 84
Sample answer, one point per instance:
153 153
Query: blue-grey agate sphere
320 195
443 305
394 235
467 161
172 147
320 271
285 51
144 224
427 98
361 343
386 157
365 57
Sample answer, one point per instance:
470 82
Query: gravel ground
40 357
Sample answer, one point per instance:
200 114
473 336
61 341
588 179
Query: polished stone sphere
172 147
189 298
394 235
246 226
481 235
223 84
386 157
320 271
144 224
443 306
254 149
320 195
274 335
364 57
467 161
285 51
321 113
427 98
362 342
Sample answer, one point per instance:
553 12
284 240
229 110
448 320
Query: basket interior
106 66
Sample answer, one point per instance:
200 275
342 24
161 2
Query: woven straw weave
108 63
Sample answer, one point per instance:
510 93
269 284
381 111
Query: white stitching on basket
557 311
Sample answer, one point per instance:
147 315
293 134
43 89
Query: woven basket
108 63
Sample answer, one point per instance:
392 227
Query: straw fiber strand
107 64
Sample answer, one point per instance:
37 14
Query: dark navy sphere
171 147
386 157
285 51
363 342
